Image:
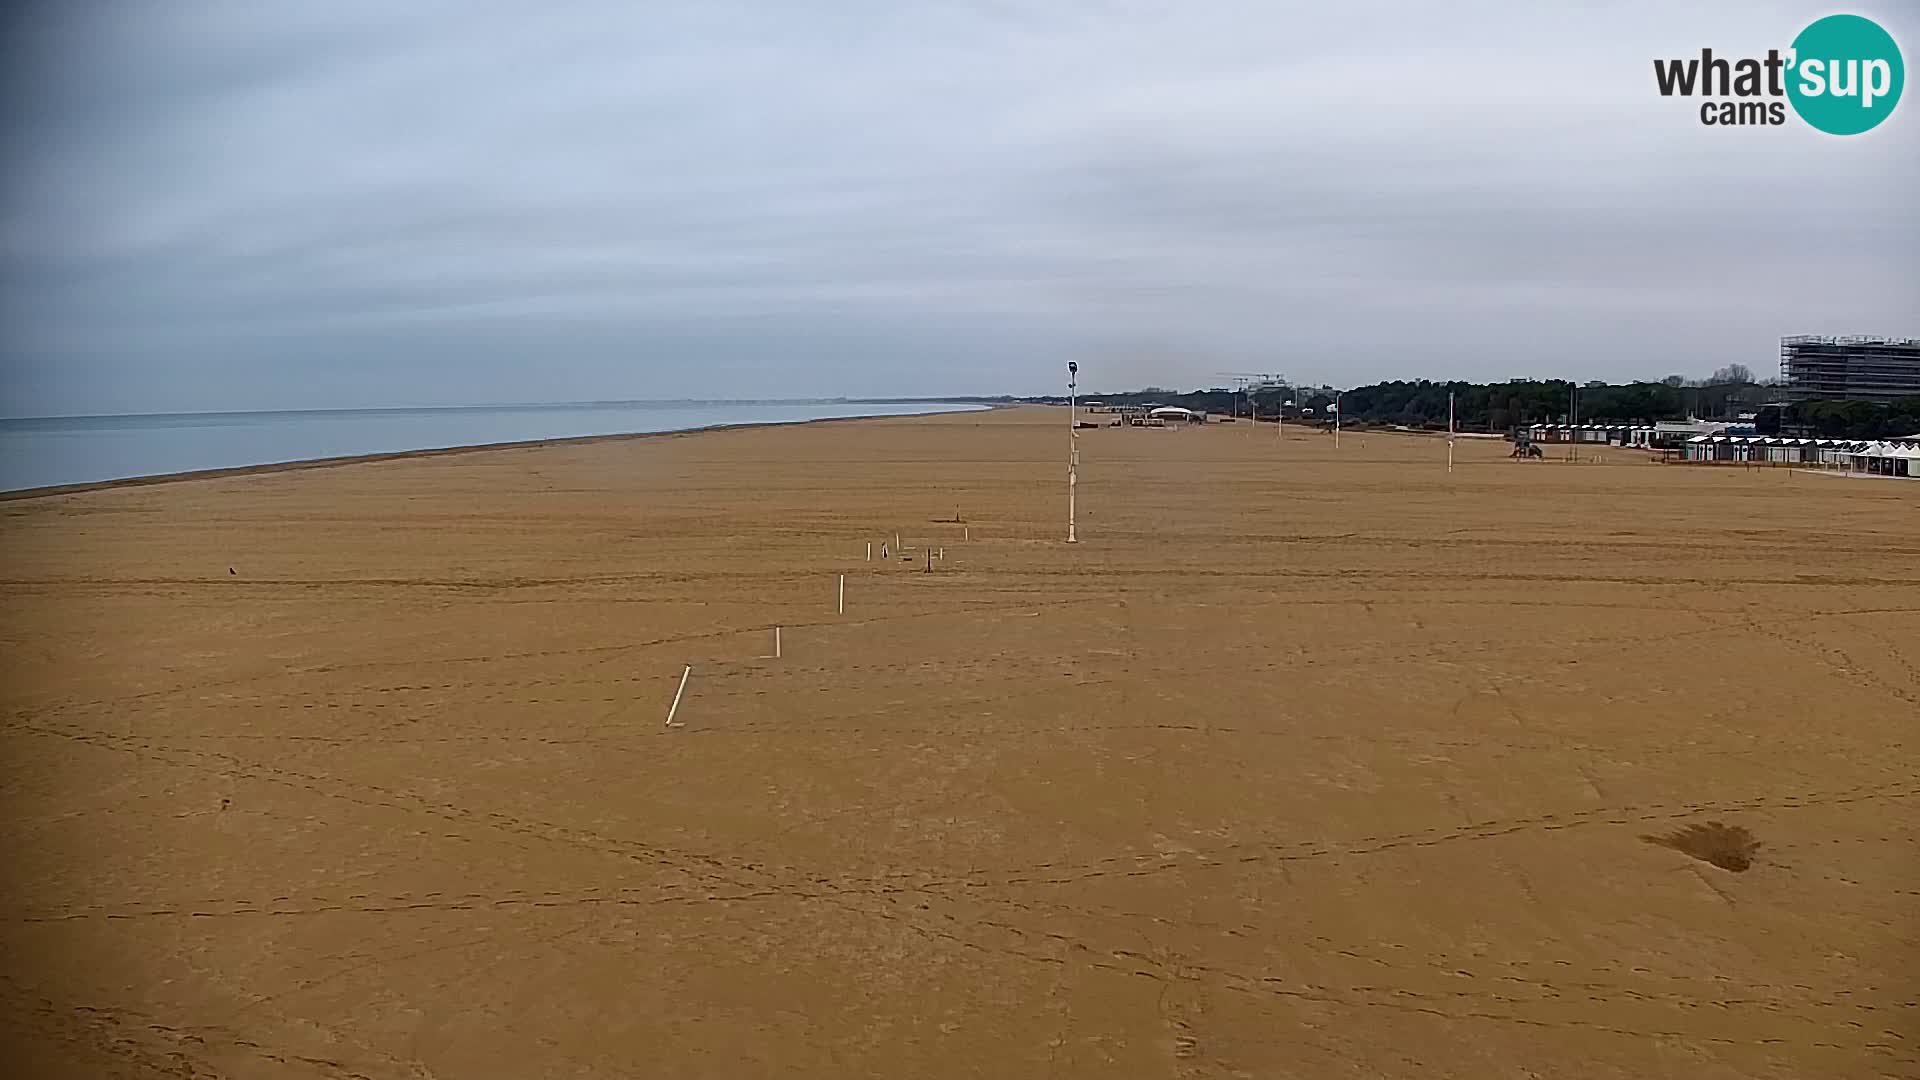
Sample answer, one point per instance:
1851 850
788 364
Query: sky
257 204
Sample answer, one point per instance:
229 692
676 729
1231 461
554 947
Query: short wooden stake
843 594
676 695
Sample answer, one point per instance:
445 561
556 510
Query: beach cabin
1839 453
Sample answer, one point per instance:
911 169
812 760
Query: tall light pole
1073 444
1449 431
1573 421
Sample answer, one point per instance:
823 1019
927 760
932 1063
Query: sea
45 451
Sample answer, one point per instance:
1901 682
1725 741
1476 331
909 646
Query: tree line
1502 406
1857 419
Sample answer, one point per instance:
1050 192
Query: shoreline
53 490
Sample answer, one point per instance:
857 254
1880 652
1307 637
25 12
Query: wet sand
1303 763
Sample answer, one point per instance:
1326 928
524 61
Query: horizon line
607 402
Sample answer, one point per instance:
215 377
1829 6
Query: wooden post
676 695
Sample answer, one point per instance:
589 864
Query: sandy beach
1302 763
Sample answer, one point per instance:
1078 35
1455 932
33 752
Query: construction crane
1249 381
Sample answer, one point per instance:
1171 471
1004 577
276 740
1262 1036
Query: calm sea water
83 449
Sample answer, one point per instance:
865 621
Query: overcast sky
354 203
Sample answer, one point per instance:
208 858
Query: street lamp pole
1573 421
1073 444
1449 431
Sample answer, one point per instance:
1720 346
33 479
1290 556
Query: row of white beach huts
1664 433
1880 457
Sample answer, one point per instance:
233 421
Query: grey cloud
255 205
